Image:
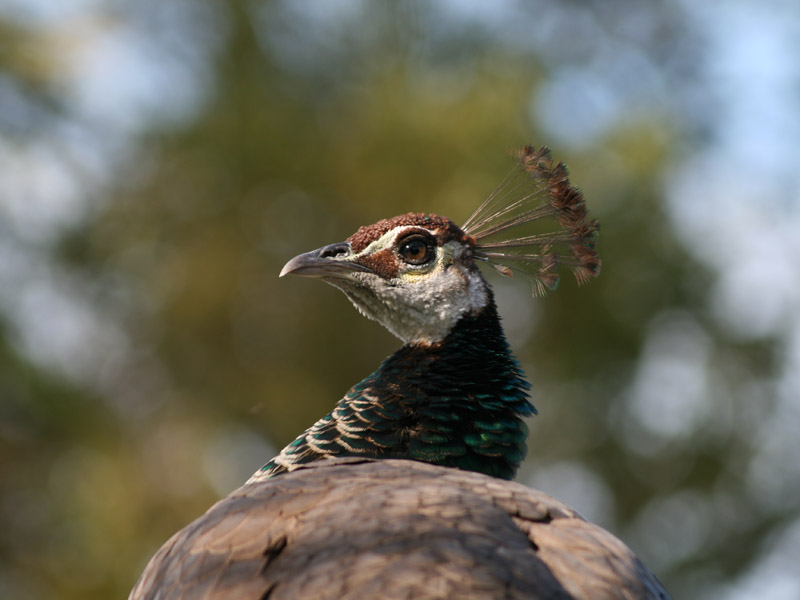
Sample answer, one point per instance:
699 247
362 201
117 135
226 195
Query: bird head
417 274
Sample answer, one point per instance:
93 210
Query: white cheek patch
424 306
422 303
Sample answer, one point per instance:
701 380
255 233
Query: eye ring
416 249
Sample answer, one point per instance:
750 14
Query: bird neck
458 402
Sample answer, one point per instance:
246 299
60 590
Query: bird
404 489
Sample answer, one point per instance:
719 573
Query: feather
536 191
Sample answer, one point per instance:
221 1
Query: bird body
398 492
350 528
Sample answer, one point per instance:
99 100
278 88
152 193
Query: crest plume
536 189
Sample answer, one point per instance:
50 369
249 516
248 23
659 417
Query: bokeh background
160 161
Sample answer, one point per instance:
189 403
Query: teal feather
459 403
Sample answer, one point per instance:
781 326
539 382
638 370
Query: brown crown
443 227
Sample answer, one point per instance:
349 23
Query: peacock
403 490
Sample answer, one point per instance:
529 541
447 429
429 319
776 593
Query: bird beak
334 260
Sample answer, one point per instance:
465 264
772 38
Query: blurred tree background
162 160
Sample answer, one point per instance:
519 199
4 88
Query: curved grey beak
328 261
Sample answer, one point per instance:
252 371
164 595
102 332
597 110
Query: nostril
335 250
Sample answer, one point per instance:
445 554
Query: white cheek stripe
419 306
425 308
387 240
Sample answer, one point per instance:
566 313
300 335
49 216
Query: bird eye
416 250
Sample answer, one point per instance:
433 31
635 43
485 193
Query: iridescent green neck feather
457 403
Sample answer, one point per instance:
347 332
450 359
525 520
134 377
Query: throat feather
458 403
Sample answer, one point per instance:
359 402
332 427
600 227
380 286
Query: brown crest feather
537 188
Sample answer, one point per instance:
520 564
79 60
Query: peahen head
417 274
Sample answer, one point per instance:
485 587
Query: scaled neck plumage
459 402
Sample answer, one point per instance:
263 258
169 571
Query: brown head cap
443 227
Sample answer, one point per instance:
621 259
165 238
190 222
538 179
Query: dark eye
416 250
